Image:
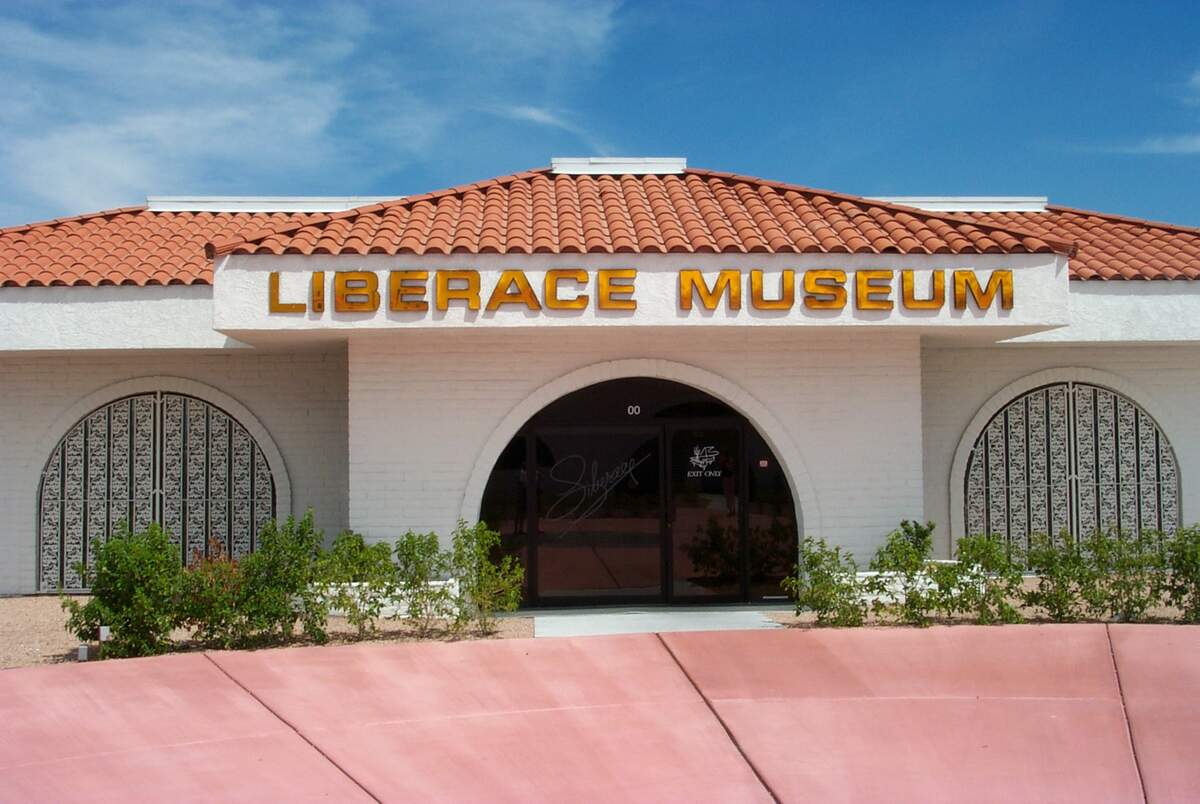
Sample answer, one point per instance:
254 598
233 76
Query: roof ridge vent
969 203
635 165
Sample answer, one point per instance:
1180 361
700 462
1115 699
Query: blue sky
1095 104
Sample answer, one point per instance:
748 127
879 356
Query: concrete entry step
653 620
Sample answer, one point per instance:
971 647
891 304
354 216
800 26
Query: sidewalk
1018 713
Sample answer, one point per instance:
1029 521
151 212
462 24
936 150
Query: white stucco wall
957 382
299 398
842 413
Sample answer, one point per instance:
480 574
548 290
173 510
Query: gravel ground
32 631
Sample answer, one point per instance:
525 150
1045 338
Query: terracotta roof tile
128 246
1111 246
697 211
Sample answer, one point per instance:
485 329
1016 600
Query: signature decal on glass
587 490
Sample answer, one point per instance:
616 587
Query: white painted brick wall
957 382
422 405
299 397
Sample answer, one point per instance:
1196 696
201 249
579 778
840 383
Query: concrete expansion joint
207 655
728 732
1137 765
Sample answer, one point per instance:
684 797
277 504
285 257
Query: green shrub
903 588
826 582
1182 585
420 564
212 589
281 582
134 581
359 579
1063 574
983 581
1125 574
484 585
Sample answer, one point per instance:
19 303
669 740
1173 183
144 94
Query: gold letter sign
883 290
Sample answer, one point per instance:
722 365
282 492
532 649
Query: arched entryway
643 490
152 456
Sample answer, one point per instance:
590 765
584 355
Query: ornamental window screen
1071 457
153 457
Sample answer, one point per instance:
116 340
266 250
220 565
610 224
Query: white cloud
556 120
1169 145
104 105
1181 144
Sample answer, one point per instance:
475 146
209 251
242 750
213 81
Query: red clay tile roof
128 246
1112 246
697 211
537 211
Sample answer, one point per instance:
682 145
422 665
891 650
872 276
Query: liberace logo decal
587 488
702 458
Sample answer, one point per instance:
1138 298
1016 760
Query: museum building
650 378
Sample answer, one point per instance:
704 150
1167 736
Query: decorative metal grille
155 457
1075 458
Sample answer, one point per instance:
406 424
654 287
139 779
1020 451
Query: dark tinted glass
505 502
772 527
706 554
599 514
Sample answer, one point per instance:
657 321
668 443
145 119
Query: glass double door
639 513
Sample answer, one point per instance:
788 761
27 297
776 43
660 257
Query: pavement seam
728 732
1137 764
291 726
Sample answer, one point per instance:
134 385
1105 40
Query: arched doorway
1070 457
154 456
643 490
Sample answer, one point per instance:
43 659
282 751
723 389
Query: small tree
211 589
1063 573
903 588
1183 578
281 581
359 579
134 581
1125 574
987 580
420 564
485 585
826 582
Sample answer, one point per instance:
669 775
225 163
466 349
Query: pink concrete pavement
593 719
1020 713
171 728
1160 679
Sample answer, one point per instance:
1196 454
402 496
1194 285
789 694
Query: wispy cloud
102 105
556 120
1181 144
1168 144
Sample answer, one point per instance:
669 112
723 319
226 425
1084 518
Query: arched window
151 457
1072 457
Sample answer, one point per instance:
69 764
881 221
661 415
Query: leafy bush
903 588
134 581
420 564
1125 574
983 581
1063 573
485 586
281 582
826 582
209 603
1182 585
359 579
